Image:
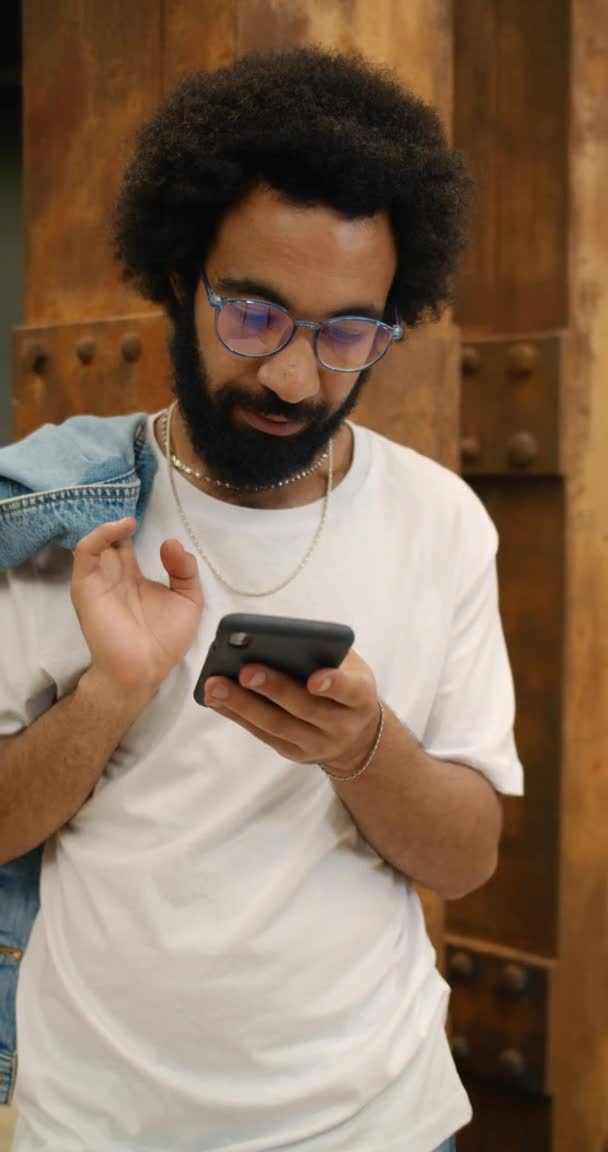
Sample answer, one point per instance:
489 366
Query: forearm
436 822
48 771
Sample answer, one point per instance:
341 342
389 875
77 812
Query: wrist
124 702
356 765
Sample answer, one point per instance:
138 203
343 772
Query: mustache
268 404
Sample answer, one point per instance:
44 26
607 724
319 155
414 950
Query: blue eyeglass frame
218 303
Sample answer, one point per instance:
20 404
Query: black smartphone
291 645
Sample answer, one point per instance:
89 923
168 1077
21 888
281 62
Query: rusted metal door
527 955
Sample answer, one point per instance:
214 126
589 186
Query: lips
273 425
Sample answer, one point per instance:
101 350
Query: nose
292 374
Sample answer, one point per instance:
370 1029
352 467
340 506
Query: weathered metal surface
92 71
414 39
519 907
498 1015
579 1048
510 406
125 368
511 65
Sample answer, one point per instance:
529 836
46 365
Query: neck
294 495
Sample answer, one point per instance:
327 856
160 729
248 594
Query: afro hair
318 128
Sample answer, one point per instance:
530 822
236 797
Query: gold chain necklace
201 476
188 527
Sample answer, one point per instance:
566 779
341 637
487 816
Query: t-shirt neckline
204 506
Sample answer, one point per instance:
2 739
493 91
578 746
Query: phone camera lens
239 640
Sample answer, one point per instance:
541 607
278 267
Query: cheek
222 366
335 388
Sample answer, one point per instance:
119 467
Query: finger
91 547
289 695
263 714
182 569
351 686
281 747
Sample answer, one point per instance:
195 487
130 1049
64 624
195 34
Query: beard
242 456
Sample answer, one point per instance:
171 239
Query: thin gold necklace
249 488
188 527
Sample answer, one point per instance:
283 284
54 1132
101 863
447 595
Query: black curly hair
319 128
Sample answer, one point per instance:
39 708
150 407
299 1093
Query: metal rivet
470 448
462 964
522 449
1 1078
469 360
85 349
12 953
461 1049
514 977
131 347
512 1063
35 356
522 359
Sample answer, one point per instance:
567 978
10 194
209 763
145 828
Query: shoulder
430 495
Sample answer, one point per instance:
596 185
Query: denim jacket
56 485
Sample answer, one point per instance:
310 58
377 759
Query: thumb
182 569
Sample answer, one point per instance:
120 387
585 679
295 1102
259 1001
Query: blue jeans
448 1145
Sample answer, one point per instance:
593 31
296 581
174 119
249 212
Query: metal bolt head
35 356
462 964
131 347
522 449
522 359
469 360
85 349
512 1063
461 1049
470 449
514 977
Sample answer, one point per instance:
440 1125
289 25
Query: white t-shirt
220 962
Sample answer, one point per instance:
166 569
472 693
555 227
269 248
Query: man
230 952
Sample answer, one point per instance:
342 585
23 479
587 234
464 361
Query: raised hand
137 629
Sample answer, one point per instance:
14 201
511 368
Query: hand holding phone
297 647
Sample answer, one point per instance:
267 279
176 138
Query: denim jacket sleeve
55 486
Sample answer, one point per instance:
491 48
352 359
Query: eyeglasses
256 329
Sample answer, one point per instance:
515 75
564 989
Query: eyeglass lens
254 328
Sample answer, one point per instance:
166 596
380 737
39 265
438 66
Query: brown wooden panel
519 906
506 1122
475 121
414 39
498 1015
412 396
91 73
580 1002
101 368
510 406
197 34
511 120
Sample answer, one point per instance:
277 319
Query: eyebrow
248 287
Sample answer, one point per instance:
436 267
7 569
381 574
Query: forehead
315 258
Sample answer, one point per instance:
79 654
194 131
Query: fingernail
219 692
257 680
324 685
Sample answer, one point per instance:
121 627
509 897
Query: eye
254 317
350 333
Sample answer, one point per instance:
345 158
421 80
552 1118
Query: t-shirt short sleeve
472 717
26 690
